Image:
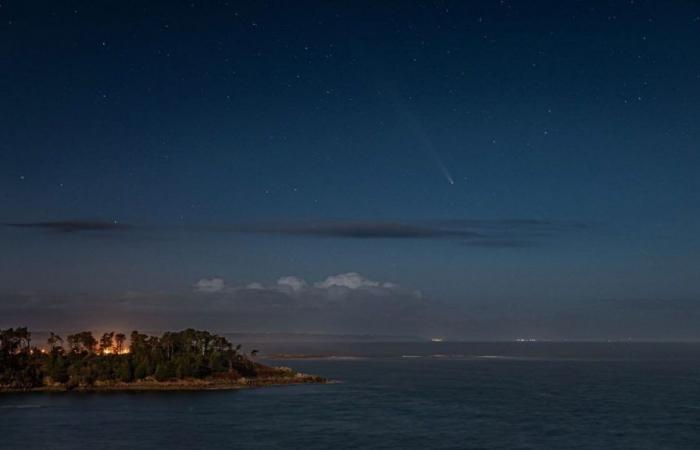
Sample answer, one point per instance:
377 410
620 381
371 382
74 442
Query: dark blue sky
510 168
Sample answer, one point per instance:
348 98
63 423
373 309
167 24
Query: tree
88 341
106 343
55 342
20 365
141 371
25 338
119 340
185 354
82 342
56 367
9 342
138 342
123 370
164 371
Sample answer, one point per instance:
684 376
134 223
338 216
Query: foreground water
403 396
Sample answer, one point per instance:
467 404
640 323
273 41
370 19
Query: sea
420 395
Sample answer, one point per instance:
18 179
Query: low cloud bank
336 285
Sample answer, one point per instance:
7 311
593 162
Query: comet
427 144
445 172
417 128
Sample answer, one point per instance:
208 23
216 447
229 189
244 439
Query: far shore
302 356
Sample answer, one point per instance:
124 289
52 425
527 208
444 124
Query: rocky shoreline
190 384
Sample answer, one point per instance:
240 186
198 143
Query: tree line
83 360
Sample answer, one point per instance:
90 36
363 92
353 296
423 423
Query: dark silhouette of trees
175 355
119 340
18 367
82 342
55 342
106 345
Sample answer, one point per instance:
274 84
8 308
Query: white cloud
351 280
335 286
295 284
210 285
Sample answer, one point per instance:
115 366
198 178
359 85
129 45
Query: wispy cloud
499 233
351 229
486 233
73 226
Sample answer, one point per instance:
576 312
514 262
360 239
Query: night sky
470 170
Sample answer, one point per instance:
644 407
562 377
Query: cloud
210 285
350 280
295 284
498 233
73 226
334 287
349 286
506 233
350 229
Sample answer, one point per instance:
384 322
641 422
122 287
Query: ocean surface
403 396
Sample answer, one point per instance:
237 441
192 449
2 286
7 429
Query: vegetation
83 361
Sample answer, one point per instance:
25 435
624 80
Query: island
184 360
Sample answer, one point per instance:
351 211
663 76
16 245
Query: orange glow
113 351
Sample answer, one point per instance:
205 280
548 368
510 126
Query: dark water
646 398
